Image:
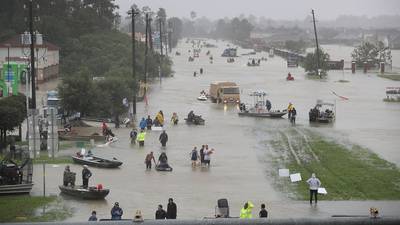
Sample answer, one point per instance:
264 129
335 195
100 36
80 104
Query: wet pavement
239 167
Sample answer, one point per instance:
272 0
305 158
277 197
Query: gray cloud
275 9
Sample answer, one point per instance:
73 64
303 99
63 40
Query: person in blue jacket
143 124
116 212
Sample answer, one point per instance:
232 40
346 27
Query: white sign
322 191
155 128
295 177
283 172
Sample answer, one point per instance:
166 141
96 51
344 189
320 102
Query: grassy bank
391 99
44 158
348 173
23 208
393 76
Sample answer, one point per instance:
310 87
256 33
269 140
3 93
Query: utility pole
32 48
133 13
316 41
146 50
8 70
150 35
170 36
161 47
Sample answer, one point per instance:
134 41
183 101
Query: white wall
46 57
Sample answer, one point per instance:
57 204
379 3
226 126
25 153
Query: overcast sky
275 9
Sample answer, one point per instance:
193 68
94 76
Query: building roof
15 42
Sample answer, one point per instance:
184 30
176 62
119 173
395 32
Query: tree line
173 24
87 31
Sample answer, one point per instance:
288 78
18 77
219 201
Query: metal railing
321 221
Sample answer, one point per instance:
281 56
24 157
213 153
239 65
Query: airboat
323 112
16 178
261 107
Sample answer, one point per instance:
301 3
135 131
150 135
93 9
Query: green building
11 76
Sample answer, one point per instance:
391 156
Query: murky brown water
238 171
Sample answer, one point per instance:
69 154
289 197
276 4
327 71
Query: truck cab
224 92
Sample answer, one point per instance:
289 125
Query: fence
325 221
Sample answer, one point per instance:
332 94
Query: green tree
368 52
296 46
177 27
310 62
77 93
235 30
113 90
12 114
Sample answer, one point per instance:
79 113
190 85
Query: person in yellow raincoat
246 211
289 109
160 118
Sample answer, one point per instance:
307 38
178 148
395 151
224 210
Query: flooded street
240 164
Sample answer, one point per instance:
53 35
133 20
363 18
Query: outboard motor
222 208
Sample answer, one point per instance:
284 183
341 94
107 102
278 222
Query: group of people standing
148 123
69 177
162 160
246 211
195 72
204 155
171 212
161 214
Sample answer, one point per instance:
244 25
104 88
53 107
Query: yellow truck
224 92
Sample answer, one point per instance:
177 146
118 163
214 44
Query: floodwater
239 167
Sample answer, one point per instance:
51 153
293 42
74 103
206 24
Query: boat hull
198 122
97 162
90 194
166 169
263 115
16 189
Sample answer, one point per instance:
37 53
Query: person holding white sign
314 183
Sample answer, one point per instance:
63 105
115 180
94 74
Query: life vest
141 136
246 213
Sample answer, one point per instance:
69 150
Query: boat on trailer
260 108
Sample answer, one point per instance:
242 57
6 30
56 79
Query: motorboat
323 112
91 193
261 107
264 114
229 52
97 161
249 53
202 97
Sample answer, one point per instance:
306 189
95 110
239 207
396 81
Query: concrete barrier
326 221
